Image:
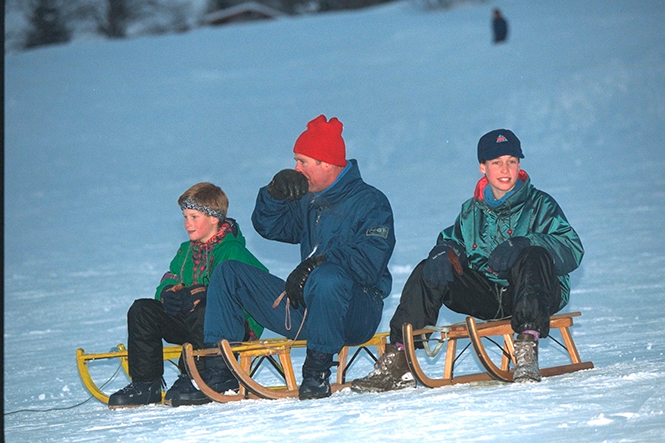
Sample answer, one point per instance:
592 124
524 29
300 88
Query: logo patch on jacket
378 231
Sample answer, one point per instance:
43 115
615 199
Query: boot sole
175 403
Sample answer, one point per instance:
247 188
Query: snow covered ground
102 137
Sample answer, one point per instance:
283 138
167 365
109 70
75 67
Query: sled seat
475 332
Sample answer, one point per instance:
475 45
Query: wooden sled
243 360
171 353
475 332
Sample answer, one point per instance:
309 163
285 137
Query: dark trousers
148 325
532 295
339 311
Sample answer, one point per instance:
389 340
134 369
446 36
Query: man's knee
328 279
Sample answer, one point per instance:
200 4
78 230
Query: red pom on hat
322 140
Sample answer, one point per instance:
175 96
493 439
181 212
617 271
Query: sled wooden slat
474 332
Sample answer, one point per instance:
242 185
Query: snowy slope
102 137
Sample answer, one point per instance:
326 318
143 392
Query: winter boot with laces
137 393
315 376
390 372
526 358
184 393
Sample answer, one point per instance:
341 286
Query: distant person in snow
499 27
176 313
334 297
507 255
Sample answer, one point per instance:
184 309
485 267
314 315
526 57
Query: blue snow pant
339 311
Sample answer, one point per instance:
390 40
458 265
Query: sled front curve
241 370
493 370
449 337
119 352
190 356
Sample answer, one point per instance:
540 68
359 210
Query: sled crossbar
475 332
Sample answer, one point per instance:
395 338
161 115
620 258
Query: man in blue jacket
334 297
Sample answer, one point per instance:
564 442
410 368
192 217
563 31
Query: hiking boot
218 376
526 359
137 393
390 373
184 393
315 376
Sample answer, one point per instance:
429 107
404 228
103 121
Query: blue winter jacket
350 222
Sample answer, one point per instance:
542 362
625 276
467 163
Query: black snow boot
184 393
137 393
218 376
315 375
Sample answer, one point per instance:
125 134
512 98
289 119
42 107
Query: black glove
438 268
295 282
505 255
288 183
179 298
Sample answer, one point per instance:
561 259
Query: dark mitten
505 255
288 183
295 282
179 298
438 268
191 294
171 298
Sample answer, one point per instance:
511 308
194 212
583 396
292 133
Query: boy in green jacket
507 255
176 313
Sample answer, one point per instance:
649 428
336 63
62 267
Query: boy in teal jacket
177 312
508 254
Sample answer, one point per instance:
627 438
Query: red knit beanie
323 141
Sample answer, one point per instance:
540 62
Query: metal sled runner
475 333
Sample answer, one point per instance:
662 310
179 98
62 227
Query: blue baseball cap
497 143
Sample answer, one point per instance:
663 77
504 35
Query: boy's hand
288 183
504 256
439 269
179 298
295 283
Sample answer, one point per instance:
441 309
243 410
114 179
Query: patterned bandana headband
190 203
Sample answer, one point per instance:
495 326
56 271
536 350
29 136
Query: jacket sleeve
280 220
366 256
453 233
172 277
553 232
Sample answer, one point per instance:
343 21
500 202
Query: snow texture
102 137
